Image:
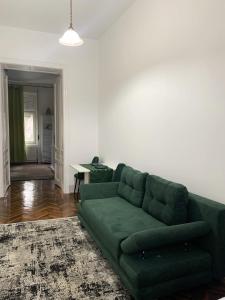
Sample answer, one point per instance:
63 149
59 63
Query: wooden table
79 169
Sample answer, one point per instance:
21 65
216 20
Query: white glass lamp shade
71 38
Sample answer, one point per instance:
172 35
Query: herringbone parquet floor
35 200
41 199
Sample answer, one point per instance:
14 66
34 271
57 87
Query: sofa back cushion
117 174
165 200
132 185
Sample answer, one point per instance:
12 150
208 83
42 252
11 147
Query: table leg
86 178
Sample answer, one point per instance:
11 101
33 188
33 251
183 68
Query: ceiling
91 17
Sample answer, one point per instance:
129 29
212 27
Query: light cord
71 14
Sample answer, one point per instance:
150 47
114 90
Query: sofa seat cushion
114 219
164 265
165 200
132 185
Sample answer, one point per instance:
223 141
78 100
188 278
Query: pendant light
71 37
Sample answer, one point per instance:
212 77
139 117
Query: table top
80 169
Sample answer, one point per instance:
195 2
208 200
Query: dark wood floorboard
41 199
35 200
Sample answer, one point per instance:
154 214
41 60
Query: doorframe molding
30 67
1 136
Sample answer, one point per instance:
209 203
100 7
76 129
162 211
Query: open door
58 139
5 131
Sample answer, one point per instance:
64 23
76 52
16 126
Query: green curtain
16 124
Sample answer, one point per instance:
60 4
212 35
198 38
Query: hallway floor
35 200
31 172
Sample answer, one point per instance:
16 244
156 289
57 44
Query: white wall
162 88
80 86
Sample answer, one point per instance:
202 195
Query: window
29 128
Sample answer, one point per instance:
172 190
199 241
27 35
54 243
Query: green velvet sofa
159 238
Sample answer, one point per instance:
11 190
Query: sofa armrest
98 190
158 237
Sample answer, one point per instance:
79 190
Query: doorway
31 126
32 119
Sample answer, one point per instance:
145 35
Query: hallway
35 200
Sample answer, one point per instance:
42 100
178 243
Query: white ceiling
91 17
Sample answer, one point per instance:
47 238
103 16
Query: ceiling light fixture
71 37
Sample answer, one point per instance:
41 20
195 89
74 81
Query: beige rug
54 260
31 172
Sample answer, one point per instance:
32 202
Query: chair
80 176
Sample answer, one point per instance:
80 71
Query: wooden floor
35 200
41 199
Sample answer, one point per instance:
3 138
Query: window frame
33 113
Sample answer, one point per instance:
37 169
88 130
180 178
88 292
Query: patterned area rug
54 260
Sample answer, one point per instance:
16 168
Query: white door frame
29 68
58 132
4 136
